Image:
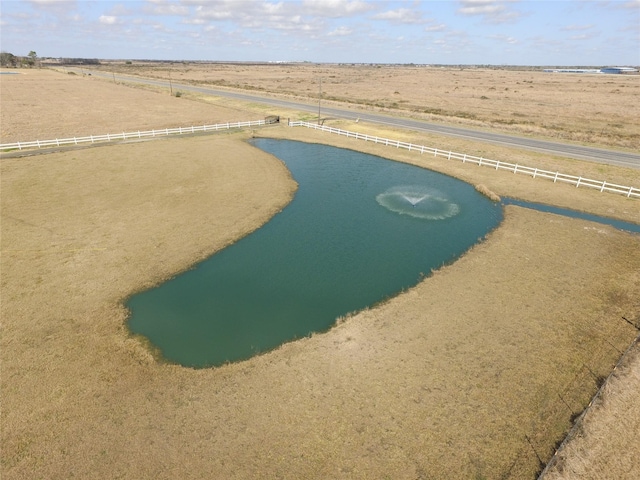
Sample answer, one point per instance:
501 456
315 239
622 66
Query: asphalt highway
610 157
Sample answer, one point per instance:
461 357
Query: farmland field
590 109
476 372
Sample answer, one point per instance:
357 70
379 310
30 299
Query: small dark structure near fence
272 119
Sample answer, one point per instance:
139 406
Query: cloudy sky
515 32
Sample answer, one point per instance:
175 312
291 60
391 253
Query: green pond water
359 230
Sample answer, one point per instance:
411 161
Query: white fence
109 137
603 186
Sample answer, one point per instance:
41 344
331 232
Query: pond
359 230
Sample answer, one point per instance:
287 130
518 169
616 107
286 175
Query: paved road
611 157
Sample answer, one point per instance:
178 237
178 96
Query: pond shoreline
328 396
456 364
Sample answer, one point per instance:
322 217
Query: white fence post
481 161
627 191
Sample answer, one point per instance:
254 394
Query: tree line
10 60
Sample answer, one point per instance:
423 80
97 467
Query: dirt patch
473 373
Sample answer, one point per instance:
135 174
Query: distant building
571 70
619 70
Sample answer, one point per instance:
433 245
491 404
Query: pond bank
467 361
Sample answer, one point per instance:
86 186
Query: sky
453 32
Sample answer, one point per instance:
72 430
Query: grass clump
487 193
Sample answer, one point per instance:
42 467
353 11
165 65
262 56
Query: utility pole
170 84
319 97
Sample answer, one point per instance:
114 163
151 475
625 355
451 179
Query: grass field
590 109
474 373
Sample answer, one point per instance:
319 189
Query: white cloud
401 16
56 7
633 4
108 19
208 13
53 3
480 7
120 10
195 21
335 8
164 8
585 36
245 13
570 28
504 39
492 11
436 28
259 16
340 32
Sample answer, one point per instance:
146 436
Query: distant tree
32 58
8 59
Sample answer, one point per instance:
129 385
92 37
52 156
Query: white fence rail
109 137
603 186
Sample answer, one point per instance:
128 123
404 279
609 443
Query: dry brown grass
434 383
45 104
590 109
606 446
487 193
